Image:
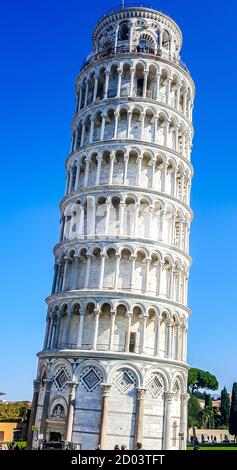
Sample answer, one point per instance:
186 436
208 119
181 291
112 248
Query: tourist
139 446
116 447
124 447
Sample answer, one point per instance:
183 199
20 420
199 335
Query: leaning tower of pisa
113 366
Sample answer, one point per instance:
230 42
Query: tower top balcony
135 26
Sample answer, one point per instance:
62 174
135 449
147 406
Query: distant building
14 420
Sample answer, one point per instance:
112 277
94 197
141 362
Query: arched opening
97 126
101 213
132 173
105 168
154 275
129 217
125 80
139 80
109 271
88 327
101 85
92 170
120 329
151 83
118 171
109 125
143 225
149 126
135 130
140 272
122 124
113 81
104 328
82 268
125 270
166 40
114 216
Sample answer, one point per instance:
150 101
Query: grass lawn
215 448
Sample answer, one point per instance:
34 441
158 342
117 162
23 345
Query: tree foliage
208 421
194 412
225 408
198 378
13 411
233 412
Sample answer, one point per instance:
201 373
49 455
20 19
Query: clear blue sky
42 46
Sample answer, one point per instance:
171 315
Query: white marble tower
113 367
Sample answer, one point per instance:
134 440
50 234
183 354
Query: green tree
225 408
198 378
233 412
208 413
194 412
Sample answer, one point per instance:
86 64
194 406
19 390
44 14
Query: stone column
83 134
117 271
183 420
65 274
157 346
119 83
144 91
96 327
169 339
87 90
86 172
155 129
80 97
80 329
55 277
102 268
133 260
158 86
177 357
106 389
126 158
139 170
49 332
99 160
92 121
36 385
178 96
68 328
102 130
71 408
132 71
116 117
145 318
146 287
138 437
77 176
136 209
95 88
58 330
129 124
88 268
106 84
121 214
168 400
45 411
111 170
128 331
143 115
108 206
111 335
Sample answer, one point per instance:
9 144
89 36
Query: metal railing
133 50
131 5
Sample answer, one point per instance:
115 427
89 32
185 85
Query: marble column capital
106 389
